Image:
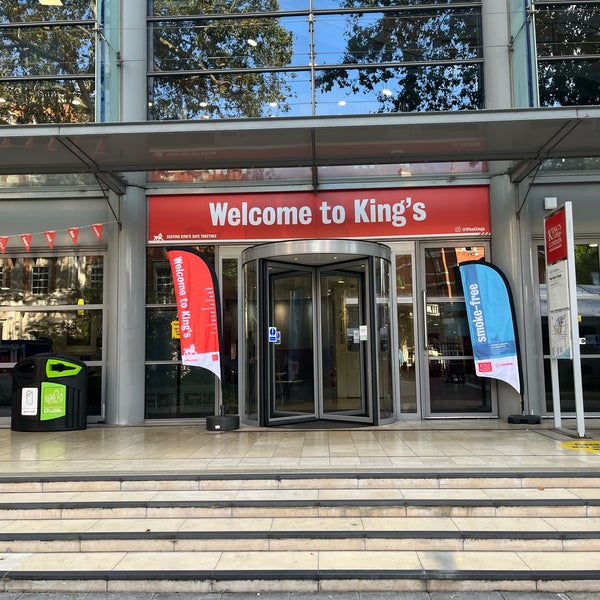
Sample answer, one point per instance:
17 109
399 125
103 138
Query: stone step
289 533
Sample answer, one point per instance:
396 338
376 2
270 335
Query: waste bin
49 393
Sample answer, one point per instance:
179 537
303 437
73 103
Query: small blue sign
272 334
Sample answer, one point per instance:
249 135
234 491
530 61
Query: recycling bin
49 393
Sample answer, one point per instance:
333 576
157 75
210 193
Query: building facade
335 160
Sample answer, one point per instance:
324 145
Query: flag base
530 419
222 422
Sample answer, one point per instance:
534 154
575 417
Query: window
52 304
40 279
345 57
568 52
587 273
47 62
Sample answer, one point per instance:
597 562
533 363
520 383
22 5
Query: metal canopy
524 137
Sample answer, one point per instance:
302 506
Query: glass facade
52 304
172 389
47 62
261 58
568 52
587 273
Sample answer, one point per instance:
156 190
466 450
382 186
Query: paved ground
309 596
412 446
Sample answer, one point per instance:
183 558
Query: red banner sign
197 308
555 227
378 213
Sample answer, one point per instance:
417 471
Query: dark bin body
49 393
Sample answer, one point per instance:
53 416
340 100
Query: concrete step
301 533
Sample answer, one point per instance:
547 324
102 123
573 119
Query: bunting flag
3 243
50 237
491 322
26 239
198 309
73 234
97 229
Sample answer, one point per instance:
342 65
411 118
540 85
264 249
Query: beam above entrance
517 136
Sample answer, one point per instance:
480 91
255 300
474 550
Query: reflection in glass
176 391
383 338
587 272
47 62
453 385
251 342
314 63
229 354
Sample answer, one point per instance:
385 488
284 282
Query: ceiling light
51 2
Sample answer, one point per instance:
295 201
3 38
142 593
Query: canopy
524 137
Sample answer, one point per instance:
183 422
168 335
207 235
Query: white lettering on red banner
377 213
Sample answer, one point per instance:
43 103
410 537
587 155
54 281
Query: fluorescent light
51 2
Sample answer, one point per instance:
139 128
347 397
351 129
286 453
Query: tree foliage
425 57
39 55
201 64
568 45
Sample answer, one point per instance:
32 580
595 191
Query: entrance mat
309 425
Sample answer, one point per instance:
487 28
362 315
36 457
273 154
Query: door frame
421 342
331 252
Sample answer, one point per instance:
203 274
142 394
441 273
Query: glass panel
176 391
454 387
231 95
569 82
341 317
406 352
160 343
229 353
219 44
442 277
404 286
292 359
251 341
47 101
398 37
587 271
77 333
567 29
53 280
26 11
30 51
198 7
398 89
383 338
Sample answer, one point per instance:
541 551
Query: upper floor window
47 61
568 52
261 58
40 280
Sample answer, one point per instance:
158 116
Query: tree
423 57
47 66
568 44
201 64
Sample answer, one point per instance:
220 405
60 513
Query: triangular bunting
50 236
26 239
74 234
3 244
97 229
